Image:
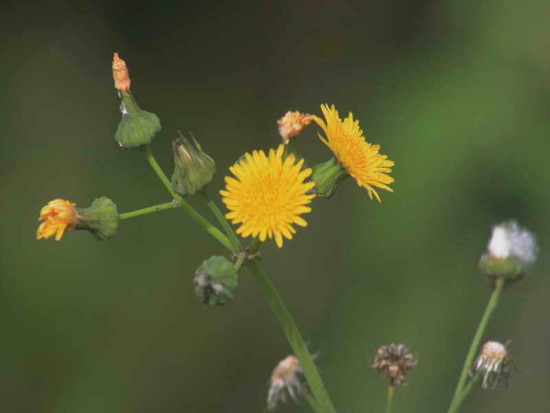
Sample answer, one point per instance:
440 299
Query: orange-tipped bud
292 124
57 218
121 75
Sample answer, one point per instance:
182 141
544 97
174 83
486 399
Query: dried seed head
510 240
510 252
286 380
493 363
394 361
292 124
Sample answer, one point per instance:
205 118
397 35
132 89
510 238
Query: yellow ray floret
267 195
57 218
360 159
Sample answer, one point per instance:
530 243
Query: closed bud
327 177
100 218
216 281
138 128
193 168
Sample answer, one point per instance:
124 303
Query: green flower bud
100 218
327 177
215 281
137 128
193 169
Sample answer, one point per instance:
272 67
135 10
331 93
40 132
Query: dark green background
457 94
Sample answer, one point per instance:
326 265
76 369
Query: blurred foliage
457 94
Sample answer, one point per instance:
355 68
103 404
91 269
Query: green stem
294 338
221 219
391 392
239 262
467 389
149 210
491 305
198 218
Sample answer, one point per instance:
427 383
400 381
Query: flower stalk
188 209
149 210
461 385
294 338
390 396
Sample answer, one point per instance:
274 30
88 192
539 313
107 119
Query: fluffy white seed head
510 240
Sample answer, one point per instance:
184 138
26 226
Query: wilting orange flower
121 75
57 217
292 124
360 159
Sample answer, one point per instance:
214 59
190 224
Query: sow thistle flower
59 216
354 155
268 194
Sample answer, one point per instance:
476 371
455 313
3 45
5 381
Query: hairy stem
294 338
148 210
491 305
198 218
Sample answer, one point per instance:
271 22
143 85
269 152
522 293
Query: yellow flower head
359 158
268 195
57 217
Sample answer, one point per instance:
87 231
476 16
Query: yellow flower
57 217
268 195
359 158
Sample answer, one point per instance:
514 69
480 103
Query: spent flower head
394 361
268 194
57 217
493 364
511 250
292 123
360 159
121 75
510 240
286 380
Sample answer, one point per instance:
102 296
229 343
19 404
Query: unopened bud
327 177
216 281
193 168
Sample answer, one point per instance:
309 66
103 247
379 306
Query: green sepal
193 168
509 268
138 128
327 177
216 281
100 218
